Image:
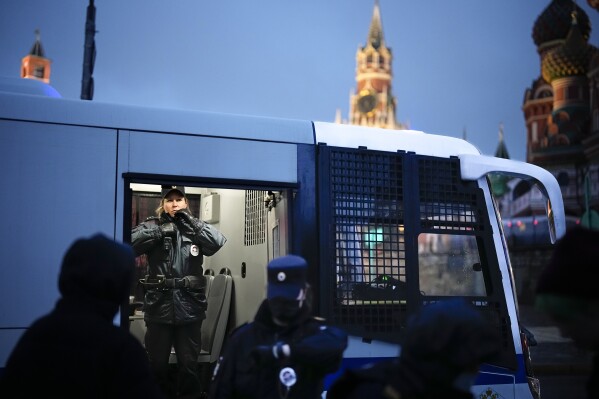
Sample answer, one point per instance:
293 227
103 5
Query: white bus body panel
183 155
58 184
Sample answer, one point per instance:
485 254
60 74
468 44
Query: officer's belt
159 281
175 282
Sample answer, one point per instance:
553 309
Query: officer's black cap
166 189
286 277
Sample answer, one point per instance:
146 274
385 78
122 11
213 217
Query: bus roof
391 140
46 109
35 108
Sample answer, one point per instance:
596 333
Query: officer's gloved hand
188 223
265 354
168 230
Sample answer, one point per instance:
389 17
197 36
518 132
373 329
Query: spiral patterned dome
555 21
572 58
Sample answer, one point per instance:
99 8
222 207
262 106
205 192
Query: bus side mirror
473 167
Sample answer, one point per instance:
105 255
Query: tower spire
372 103
35 65
37 48
375 33
501 151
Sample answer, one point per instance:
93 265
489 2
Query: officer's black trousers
186 339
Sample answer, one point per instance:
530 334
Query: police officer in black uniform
284 352
175 301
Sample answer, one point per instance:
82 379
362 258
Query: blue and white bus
388 220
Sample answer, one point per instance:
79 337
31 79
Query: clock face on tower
366 103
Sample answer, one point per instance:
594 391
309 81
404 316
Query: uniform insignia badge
195 251
288 377
281 276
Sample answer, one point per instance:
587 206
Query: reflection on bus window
370 262
449 265
350 269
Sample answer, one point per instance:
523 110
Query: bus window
449 265
371 262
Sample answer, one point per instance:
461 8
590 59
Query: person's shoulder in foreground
567 290
76 350
444 345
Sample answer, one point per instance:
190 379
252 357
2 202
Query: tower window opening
38 72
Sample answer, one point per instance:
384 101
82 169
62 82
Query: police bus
389 221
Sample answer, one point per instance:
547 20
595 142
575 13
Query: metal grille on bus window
446 202
498 319
368 234
451 205
255 218
492 312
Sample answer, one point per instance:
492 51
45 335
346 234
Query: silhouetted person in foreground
285 353
568 291
76 351
444 346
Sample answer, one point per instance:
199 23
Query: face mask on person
284 309
464 381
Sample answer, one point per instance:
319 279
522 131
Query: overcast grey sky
461 64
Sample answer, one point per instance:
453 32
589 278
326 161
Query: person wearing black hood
444 345
567 291
175 243
285 353
76 351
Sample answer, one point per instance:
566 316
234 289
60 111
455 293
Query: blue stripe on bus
489 375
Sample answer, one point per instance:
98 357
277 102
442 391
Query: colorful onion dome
572 58
555 21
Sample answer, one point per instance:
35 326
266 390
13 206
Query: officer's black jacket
177 305
316 350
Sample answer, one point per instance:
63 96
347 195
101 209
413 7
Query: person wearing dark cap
567 290
444 345
175 243
76 351
284 352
